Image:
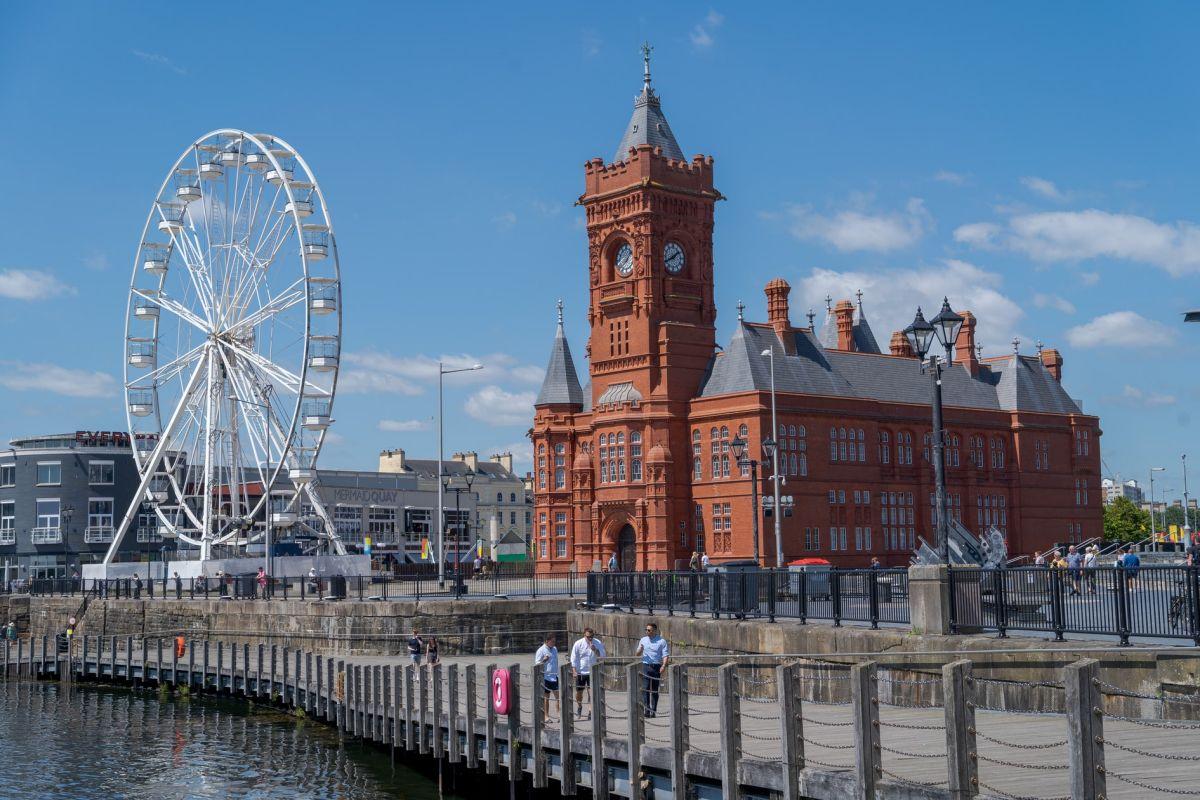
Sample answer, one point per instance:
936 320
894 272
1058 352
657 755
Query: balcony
98 534
47 535
148 534
8 536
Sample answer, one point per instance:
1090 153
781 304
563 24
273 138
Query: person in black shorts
547 658
416 647
585 653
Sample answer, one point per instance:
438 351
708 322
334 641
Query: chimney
470 458
777 292
964 345
391 461
503 459
844 313
1053 361
900 346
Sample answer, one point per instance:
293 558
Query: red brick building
638 462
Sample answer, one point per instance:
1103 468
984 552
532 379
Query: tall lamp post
468 478
944 327
1153 528
739 452
774 456
1187 517
441 523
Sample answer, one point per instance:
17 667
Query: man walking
416 647
694 562
546 657
585 653
178 585
1131 564
655 653
1074 568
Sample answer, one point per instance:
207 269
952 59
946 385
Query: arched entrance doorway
626 550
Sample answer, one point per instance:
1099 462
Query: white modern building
1128 489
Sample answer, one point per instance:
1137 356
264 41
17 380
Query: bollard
864 700
470 689
566 707
537 707
958 691
731 730
791 728
1085 727
677 694
514 724
600 782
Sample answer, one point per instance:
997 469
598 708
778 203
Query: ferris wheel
232 345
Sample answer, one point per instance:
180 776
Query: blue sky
1036 162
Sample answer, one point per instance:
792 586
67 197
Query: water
90 742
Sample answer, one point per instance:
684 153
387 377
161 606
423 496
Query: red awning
802 562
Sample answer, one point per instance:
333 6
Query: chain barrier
757 738
745 679
1023 713
906 726
894 704
828 746
748 715
1001 762
887 749
716 731
1034 684
1166 756
808 720
1153 788
761 701
914 781
904 682
1004 743
1150 723
1008 796
808 760
1117 691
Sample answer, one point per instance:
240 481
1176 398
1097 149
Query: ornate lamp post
441 522
944 327
739 452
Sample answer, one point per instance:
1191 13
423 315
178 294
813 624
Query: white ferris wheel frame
209 356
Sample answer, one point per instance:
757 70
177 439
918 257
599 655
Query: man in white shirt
585 653
704 561
655 653
547 658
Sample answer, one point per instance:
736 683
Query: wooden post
348 698
791 728
340 710
258 684
410 708
233 650
422 710
1085 728
452 713
677 689
435 677
83 671
537 708
158 660
385 709
271 685
174 662
958 692
864 700
285 680
731 730
599 768
112 658
296 682
330 688
360 707
145 659
128 657
490 757
191 665
397 681
470 689
514 724
367 704
566 707
636 718
309 703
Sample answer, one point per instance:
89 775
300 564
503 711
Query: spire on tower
560 309
741 307
648 125
561 384
646 51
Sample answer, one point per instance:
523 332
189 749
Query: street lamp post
774 456
739 452
920 334
1153 528
468 478
441 523
1187 518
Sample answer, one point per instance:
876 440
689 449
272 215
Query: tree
1125 522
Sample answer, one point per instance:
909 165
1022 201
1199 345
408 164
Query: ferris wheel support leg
209 413
319 507
156 456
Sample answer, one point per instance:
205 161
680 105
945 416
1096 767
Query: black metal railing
1144 602
870 596
503 580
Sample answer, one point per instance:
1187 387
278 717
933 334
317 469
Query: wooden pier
746 728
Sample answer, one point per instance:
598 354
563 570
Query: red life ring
501 690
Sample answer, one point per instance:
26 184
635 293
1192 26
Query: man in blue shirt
655 653
1131 563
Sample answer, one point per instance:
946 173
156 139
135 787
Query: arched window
635 455
697 465
743 431
842 454
725 466
997 453
512 498
499 497
885 449
635 437
833 448
621 438
862 445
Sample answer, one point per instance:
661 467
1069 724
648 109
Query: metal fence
840 595
501 581
1147 602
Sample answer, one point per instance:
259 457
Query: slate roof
1017 383
561 384
428 468
829 328
864 338
648 126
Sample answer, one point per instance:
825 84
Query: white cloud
1043 187
1120 329
1089 278
96 261
498 407
22 376
979 234
522 453
1054 301
373 370
1132 395
855 230
952 178
160 60
505 221
702 33
1080 235
403 425
365 381
31 284
891 297
529 374
592 43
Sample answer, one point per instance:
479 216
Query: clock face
625 260
673 258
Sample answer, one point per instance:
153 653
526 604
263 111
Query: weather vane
560 309
741 307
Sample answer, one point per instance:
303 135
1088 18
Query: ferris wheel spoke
171 369
196 269
175 307
281 374
289 297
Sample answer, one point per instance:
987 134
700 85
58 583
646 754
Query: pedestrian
1193 552
415 647
261 580
314 584
694 562
1131 564
178 585
704 561
546 657
585 653
431 651
1089 568
10 631
612 562
875 563
1075 568
477 566
1038 559
137 586
655 653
